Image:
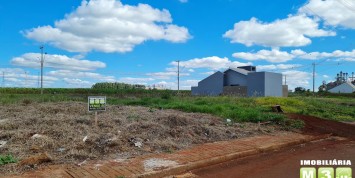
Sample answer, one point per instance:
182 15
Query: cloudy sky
135 41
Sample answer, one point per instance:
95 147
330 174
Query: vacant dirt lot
67 134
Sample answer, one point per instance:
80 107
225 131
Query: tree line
116 85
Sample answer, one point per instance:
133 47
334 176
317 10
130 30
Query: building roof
241 71
346 84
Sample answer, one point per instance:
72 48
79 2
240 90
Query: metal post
3 79
38 80
25 79
178 76
42 47
96 118
314 73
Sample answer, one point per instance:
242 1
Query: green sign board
97 103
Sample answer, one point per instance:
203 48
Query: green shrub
6 159
166 95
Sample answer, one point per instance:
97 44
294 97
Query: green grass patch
234 108
6 159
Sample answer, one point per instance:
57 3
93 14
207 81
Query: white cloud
56 61
208 73
187 67
11 70
293 31
78 83
171 69
276 56
297 78
272 56
322 55
184 1
182 69
17 77
276 67
189 83
132 80
80 75
109 26
184 84
348 59
325 76
165 75
334 12
213 63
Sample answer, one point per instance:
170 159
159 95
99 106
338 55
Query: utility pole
42 60
178 77
285 80
3 79
38 80
25 79
314 74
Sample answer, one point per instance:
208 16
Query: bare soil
282 162
287 161
66 133
315 125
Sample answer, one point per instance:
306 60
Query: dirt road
286 162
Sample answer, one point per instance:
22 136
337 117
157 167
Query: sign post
95 104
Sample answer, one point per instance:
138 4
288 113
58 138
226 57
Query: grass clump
290 124
6 159
236 109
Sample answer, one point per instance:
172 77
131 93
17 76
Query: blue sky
138 41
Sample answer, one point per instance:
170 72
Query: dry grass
63 126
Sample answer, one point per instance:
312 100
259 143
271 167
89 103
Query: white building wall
343 88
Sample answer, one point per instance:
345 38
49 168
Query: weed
238 109
166 96
26 101
290 124
151 109
6 159
169 150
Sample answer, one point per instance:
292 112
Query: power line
347 5
38 80
25 79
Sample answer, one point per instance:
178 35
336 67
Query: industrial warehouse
242 81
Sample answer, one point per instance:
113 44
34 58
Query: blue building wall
264 84
256 84
212 85
233 78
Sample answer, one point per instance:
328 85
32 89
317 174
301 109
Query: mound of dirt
67 132
315 125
